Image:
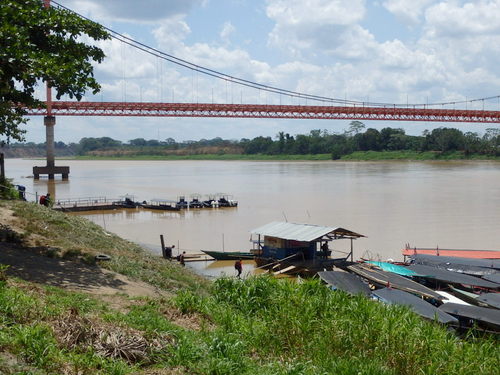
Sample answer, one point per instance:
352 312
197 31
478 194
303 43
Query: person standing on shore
238 266
182 258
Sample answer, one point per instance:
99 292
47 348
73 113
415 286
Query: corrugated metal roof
300 232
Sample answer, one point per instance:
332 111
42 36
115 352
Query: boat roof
418 305
345 281
394 280
484 314
455 261
394 268
303 232
493 277
491 299
452 277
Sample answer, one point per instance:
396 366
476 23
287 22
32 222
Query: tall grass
307 326
255 326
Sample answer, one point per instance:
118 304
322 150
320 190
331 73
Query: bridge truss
72 108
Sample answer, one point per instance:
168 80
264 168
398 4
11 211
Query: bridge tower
50 121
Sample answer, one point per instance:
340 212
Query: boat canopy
418 305
452 277
304 232
345 281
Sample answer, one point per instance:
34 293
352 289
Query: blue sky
387 51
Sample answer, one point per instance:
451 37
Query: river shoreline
355 156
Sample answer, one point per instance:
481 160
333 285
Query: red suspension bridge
354 112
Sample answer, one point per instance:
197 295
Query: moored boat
195 201
226 200
160 204
464 253
439 275
418 305
383 278
485 317
229 255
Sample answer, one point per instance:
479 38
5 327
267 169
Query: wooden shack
300 248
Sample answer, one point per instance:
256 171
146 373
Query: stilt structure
50 121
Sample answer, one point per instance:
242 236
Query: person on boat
324 249
238 266
182 258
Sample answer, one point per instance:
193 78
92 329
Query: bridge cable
240 81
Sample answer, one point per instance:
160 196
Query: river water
425 204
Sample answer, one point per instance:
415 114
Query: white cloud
449 19
409 11
227 30
315 24
132 10
171 33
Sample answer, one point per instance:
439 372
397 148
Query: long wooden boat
445 276
229 255
383 278
160 204
464 253
486 316
469 266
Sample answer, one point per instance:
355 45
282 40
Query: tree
38 43
138 142
355 127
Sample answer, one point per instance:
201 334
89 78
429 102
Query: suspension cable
255 85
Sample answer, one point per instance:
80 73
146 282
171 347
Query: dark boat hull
160 207
228 255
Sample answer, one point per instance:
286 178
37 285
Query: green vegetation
260 325
259 157
415 155
353 144
42 43
256 326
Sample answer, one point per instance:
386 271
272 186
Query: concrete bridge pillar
50 170
50 122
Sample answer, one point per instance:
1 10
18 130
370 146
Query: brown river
425 204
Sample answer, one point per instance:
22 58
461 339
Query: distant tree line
355 138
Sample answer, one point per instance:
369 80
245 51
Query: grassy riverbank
355 156
254 326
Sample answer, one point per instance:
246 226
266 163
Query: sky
392 51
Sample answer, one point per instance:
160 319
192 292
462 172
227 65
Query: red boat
463 253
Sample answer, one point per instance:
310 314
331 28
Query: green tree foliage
92 144
355 127
38 43
441 140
